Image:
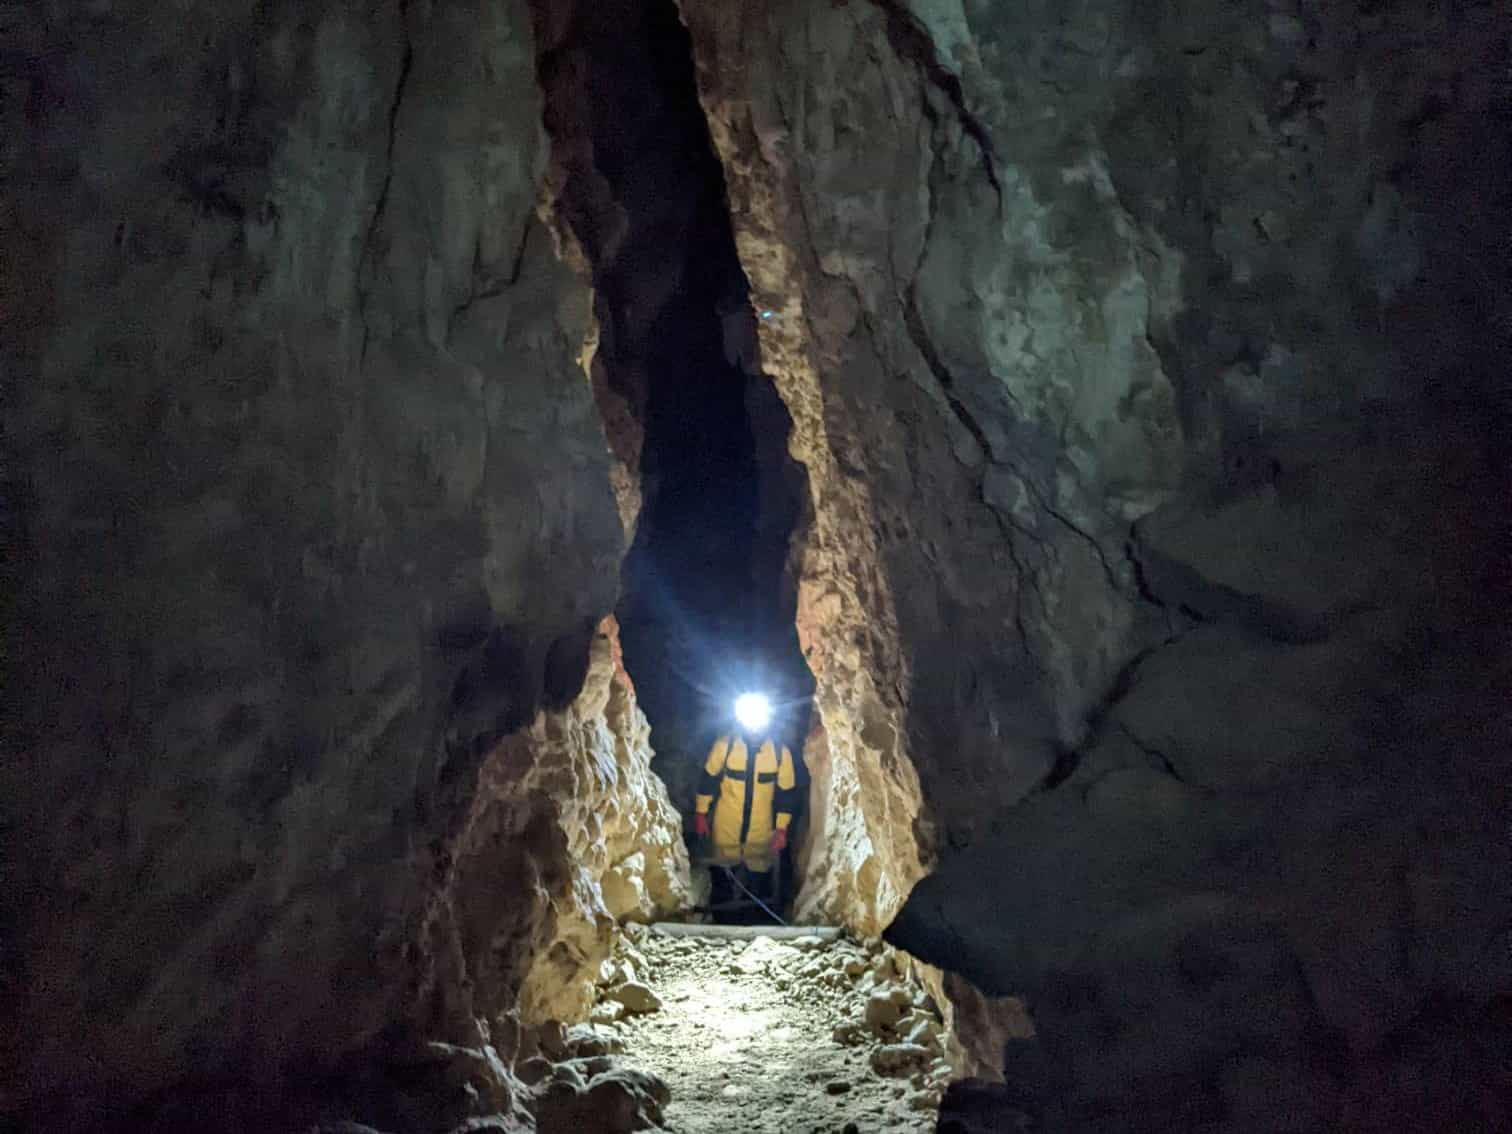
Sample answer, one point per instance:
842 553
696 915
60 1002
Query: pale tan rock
636 997
596 762
885 1007
981 1025
634 958
624 886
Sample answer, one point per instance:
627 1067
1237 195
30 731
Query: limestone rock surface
1148 367
562 806
309 531
770 1035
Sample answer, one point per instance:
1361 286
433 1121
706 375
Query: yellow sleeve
786 782
712 767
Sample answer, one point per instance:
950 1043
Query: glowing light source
753 711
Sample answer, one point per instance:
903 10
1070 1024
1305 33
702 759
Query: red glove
701 825
779 839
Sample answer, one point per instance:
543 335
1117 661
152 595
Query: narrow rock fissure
380 202
1086 422
913 42
752 1035
708 601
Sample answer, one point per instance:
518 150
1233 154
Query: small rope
731 875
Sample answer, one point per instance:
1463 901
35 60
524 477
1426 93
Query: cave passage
707 607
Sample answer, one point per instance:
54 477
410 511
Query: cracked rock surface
1148 366
307 505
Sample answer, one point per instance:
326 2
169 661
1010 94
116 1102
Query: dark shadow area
707 608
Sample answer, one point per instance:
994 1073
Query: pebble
636 997
837 1086
897 1058
849 1033
920 1029
925 1100
607 1012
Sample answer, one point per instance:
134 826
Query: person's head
753 714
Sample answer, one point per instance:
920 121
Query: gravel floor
779 1036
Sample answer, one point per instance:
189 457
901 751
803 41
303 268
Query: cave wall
566 833
1148 366
307 507
698 432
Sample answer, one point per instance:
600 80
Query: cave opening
708 599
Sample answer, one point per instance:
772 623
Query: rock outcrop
568 831
1147 366
700 433
307 508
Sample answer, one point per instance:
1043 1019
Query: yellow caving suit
744 818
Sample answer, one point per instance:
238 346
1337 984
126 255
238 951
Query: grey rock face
307 504
1121 344
1148 366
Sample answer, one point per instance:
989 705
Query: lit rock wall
962 590
567 833
308 533
1148 363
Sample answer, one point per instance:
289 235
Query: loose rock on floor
778 1035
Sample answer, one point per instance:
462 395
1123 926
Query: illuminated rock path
798 1036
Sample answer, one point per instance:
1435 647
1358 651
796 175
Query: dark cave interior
707 609
1090 423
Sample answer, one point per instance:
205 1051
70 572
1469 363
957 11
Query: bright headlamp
753 711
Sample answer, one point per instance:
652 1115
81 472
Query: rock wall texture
698 431
567 833
1148 366
307 506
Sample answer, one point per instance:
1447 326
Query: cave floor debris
779 1034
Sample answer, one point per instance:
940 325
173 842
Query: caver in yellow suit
755 802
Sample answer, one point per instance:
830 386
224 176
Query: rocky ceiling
1147 368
